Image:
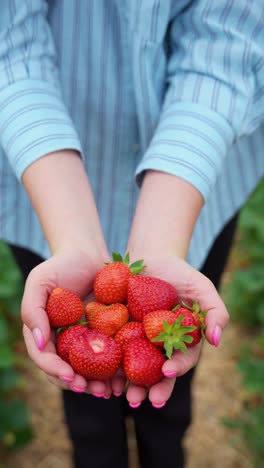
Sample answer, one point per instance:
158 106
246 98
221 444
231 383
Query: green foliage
244 296
245 293
15 429
251 420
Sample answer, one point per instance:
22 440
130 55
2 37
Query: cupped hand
190 285
75 270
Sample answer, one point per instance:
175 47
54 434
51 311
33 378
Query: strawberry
129 332
107 319
153 324
95 356
111 282
65 339
63 308
193 317
186 330
146 294
142 363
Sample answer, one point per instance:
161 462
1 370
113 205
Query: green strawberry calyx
62 329
175 336
197 312
135 267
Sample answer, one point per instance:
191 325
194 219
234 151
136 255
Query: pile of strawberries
134 324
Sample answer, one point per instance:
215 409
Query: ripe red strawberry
63 308
185 331
193 317
111 282
65 339
129 332
153 324
106 319
95 356
142 363
146 294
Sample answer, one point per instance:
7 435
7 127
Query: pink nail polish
117 394
217 335
66 379
98 395
107 397
135 405
159 405
39 338
77 389
169 374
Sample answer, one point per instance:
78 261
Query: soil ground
209 444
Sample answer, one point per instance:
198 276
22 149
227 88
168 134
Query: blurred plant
245 292
15 429
244 296
251 421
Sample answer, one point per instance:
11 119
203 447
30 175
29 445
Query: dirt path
217 394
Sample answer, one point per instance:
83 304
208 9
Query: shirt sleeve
215 90
33 118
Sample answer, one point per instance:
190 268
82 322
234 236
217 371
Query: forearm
60 193
165 217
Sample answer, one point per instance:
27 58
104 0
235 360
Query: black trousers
97 427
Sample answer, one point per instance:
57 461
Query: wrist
61 195
153 248
165 217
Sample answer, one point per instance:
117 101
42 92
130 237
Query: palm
190 285
72 270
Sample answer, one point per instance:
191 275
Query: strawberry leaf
126 259
60 330
169 349
187 338
161 337
137 267
196 307
176 307
117 257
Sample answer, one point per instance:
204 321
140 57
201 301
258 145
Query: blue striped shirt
174 86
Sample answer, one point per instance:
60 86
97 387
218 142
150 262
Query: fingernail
39 338
217 335
77 389
169 374
117 393
106 397
159 405
135 405
66 379
98 395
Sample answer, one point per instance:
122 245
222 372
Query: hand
191 285
75 270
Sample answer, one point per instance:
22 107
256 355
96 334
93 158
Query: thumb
33 307
216 320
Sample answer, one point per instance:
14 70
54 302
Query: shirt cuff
190 142
34 122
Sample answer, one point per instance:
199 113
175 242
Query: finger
181 363
108 390
215 321
57 382
33 309
118 383
47 360
135 395
96 387
217 317
161 392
